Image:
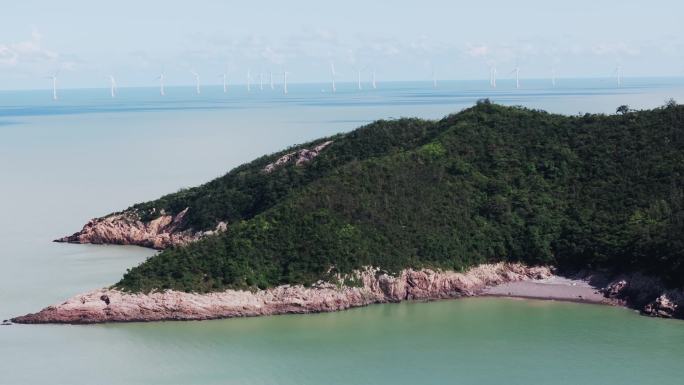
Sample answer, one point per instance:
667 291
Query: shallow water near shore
469 341
86 155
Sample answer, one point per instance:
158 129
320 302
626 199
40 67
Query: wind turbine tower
516 71
197 82
332 75
618 73
249 80
54 86
261 81
285 82
373 81
270 78
112 86
553 78
161 84
517 76
225 83
358 79
492 77
434 79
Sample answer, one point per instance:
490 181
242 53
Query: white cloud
481 50
272 56
29 51
620 48
8 56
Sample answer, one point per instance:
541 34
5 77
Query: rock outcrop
300 157
111 305
646 294
127 229
667 305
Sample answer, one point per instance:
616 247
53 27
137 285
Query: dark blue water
450 93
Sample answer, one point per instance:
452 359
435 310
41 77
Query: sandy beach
552 288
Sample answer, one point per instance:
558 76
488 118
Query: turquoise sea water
85 155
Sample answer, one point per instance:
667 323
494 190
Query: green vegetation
490 183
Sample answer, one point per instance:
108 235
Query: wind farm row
261 81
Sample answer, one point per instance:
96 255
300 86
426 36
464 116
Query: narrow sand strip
553 288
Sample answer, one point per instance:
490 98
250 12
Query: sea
65 161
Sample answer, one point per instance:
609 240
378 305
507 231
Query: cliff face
127 229
109 305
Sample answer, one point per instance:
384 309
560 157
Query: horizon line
352 82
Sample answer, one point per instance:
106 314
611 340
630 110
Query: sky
84 42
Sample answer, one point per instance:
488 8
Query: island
492 200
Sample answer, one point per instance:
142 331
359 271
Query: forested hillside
490 183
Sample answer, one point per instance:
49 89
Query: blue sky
86 41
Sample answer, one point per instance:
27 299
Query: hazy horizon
87 42
503 84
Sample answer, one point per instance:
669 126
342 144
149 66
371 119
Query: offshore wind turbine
161 84
249 80
618 74
112 86
373 81
332 76
516 70
270 78
358 79
492 77
54 86
225 82
553 78
197 81
285 82
433 74
261 81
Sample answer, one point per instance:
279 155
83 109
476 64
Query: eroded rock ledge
110 305
127 229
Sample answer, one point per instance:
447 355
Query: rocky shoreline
111 305
127 229
373 286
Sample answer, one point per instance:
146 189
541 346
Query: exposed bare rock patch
300 157
127 229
